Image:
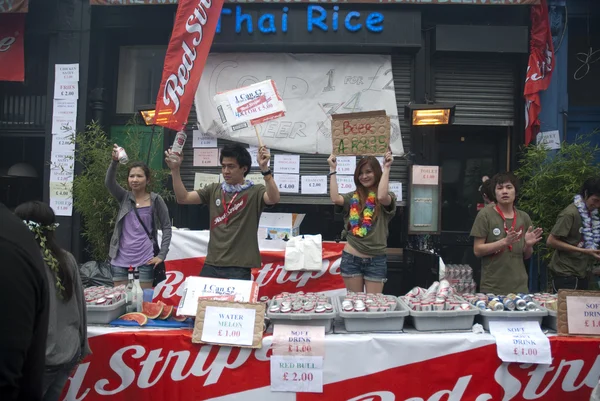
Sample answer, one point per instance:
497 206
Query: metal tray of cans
535 316
373 321
324 319
105 314
442 320
550 321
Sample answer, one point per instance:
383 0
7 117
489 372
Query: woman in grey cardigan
67 343
141 215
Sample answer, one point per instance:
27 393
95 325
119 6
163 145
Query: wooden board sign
232 324
578 313
364 133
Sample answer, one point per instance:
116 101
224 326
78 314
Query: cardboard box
195 288
274 229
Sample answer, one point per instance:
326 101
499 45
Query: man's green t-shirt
234 222
503 272
569 228
375 242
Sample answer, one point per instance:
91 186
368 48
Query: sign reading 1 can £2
364 133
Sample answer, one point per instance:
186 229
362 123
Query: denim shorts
372 269
146 273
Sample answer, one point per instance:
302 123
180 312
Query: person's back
23 288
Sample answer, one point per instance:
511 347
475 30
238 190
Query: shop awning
440 2
15 6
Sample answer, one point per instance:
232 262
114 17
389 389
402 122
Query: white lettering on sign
6 43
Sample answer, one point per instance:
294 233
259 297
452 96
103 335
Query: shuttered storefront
482 89
316 164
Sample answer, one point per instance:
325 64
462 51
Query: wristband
266 173
331 173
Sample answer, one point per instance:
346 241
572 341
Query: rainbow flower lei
361 229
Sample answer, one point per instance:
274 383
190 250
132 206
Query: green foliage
91 199
549 182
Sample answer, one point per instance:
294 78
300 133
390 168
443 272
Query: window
140 71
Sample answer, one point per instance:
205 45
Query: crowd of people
42 285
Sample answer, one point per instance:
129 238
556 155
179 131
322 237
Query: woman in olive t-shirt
576 239
367 212
504 236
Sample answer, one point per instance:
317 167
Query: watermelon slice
138 317
177 318
152 310
166 312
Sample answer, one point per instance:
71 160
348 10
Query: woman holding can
504 237
141 215
367 212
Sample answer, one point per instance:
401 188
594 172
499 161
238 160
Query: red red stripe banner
12 47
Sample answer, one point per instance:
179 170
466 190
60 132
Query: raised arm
272 195
110 181
383 190
334 194
183 196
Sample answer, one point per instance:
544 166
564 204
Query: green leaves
549 182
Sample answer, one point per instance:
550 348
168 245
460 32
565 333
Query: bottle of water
138 297
177 148
129 294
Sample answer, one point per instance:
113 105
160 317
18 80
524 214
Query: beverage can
177 149
122 155
496 305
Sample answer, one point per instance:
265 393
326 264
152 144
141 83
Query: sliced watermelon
138 317
177 318
166 312
152 310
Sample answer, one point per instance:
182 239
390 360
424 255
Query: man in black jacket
24 296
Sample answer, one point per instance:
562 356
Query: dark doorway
466 154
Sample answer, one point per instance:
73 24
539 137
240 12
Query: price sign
206 157
345 184
233 326
345 164
289 164
66 90
202 180
297 373
521 341
396 188
314 184
583 315
288 183
203 140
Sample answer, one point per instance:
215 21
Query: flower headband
38 230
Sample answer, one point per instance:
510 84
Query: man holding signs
235 206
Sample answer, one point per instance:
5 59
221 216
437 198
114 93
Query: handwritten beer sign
364 133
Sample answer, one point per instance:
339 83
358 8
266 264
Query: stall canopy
15 6
457 2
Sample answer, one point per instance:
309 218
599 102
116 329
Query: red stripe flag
539 70
191 39
12 47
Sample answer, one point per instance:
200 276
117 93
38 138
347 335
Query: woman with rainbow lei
367 212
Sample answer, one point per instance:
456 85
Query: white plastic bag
304 253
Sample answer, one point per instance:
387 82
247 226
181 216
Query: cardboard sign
253 104
239 324
578 313
425 175
365 133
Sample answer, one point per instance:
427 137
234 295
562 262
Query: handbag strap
150 237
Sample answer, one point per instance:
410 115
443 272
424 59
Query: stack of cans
104 296
497 303
363 302
461 278
300 302
439 296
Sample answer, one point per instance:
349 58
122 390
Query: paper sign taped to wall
364 133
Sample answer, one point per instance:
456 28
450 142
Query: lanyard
514 222
227 206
